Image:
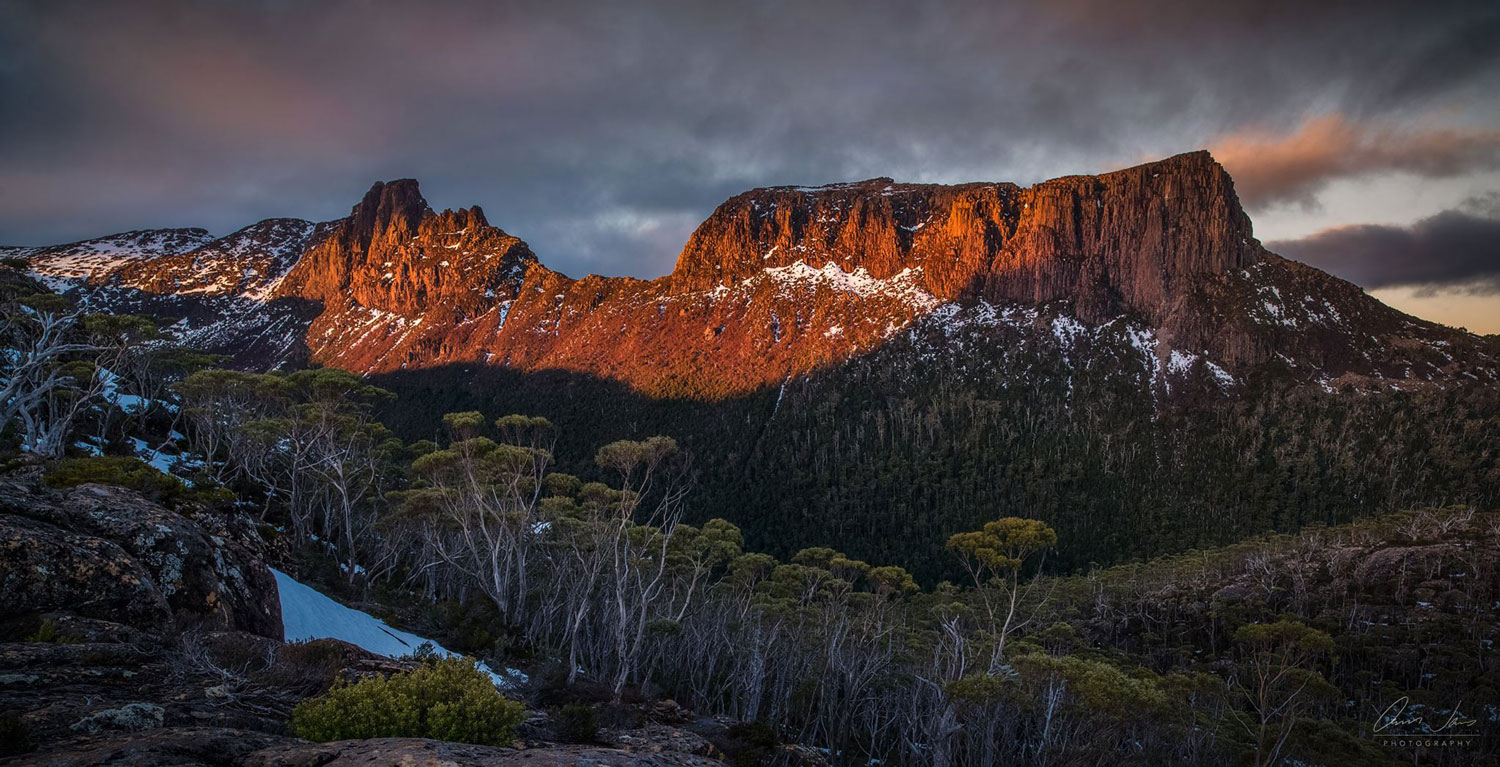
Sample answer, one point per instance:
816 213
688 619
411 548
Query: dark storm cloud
1447 55
601 132
1453 250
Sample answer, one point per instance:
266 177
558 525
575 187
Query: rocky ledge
107 553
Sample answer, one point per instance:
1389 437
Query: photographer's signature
1398 720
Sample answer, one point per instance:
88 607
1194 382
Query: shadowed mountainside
970 416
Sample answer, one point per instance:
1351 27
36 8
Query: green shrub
132 473
448 699
577 723
49 633
749 743
113 470
15 736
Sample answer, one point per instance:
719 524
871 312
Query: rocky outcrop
393 254
107 553
168 747
224 747
659 738
122 616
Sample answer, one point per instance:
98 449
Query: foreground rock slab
416 752
222 747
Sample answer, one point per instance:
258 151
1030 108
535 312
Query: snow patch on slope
969 330
307 613
903 286
62 266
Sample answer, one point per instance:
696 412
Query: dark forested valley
894 451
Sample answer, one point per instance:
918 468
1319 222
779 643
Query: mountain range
777 283
877 365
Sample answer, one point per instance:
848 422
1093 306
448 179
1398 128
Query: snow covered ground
307 614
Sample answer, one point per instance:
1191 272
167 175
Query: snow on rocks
63 266
1015 334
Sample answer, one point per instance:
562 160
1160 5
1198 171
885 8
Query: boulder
108 553
658 738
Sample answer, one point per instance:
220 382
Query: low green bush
15 736
577 723
114 470
49 633
135 474
448 699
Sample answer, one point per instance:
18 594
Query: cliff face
949 233
1136 240
778 282
1129 241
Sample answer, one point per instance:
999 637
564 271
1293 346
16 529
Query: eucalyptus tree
309 439
653 479
994 558
217 405
480 501
123 346
1276 680
49 377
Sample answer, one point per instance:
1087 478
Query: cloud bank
600 132
1270 169
1453 251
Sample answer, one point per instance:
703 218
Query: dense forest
891 453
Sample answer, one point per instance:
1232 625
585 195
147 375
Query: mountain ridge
778 282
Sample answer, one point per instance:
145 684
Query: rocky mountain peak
1119 242
455 220
395 255
390 208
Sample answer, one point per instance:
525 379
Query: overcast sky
1364 137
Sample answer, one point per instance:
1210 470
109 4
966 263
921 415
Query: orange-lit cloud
1271 168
